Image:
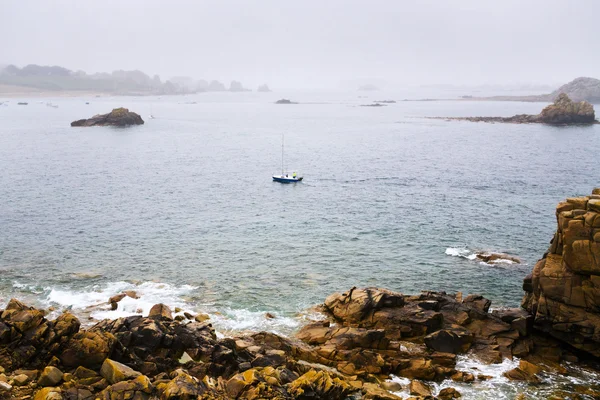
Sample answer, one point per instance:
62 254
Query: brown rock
49 393
88 349
182 387
517 374
50 376
448 393
449 341
117 117
319 385
419 388
160 310
115 372
529 367
21 380
563 293
201 317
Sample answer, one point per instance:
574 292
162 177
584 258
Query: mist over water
183 209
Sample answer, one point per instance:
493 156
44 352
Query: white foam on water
231 321
458 252
94 299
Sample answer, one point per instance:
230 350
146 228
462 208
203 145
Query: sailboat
286 177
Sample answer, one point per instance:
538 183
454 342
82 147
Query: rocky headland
579 89
117 117
369 335
563 111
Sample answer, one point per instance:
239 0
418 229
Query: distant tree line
56 78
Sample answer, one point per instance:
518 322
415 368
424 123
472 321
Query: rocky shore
369 336
117 117
562 112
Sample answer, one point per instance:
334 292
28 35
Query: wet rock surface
117 117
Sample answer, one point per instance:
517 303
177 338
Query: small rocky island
285 101
562 112
117 117
368 335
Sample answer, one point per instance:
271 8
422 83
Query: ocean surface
183 209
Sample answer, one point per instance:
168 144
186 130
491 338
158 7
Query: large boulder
88 349
564 112
563 291
117 117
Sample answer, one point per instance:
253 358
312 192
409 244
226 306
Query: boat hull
286 179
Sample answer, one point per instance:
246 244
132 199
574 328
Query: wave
90 304
461 252
484 257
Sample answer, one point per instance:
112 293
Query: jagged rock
201 317
418 388
88 349
449 341
115 372
49 393
4 387
448 393
564 112
496 257
181 387
139 388
372 391
117 117
50 376
160 310
263 88
319 385
563 292
21 380
517 374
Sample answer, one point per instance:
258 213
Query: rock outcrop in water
562 112
117 117
563 292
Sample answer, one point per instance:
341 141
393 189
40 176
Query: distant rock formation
562 112
117 117
563 292
236 86
263 88
285 101
216 86
579 89
373 105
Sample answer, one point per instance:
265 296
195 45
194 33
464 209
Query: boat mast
281 155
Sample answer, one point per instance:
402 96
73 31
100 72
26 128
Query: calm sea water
183 209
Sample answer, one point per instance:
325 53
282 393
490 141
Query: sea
183 210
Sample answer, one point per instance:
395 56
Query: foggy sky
311 43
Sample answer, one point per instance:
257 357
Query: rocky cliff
563 292
117 117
